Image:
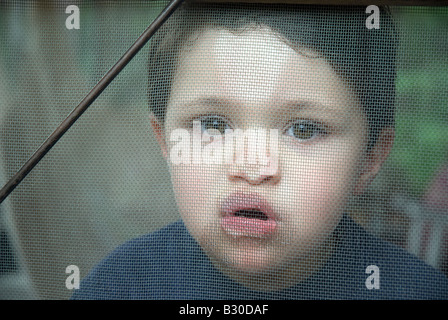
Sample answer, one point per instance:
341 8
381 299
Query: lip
250 227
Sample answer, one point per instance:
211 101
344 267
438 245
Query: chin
251 262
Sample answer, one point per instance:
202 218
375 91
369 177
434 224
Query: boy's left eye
305 130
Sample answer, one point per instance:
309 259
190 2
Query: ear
159 134
375 158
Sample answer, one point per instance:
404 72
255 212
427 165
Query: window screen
248 151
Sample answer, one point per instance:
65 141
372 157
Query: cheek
320 187
330 185
193 188
189 185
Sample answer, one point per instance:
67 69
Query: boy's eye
304 130
214 122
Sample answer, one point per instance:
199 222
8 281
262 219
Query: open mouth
249 215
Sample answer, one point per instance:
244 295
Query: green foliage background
421 144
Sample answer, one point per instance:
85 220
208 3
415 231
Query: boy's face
256 80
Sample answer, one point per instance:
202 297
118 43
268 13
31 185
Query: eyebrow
298 105
210 101
293 105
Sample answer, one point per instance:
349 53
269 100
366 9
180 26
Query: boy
324 85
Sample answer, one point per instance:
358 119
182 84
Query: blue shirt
169 264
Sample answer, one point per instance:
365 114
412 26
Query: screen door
248 151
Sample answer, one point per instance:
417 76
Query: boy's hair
364 57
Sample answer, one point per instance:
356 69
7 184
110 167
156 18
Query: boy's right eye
214 122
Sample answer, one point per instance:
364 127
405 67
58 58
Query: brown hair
364 57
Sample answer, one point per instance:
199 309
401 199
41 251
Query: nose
255 165
252 174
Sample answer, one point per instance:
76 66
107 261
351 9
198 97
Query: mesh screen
247 152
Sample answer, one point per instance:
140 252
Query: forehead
257 68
